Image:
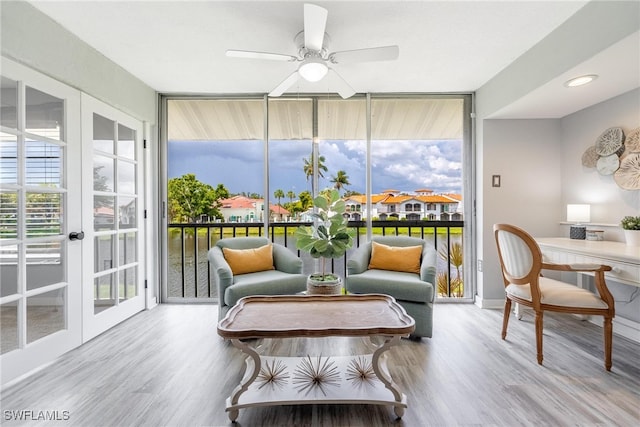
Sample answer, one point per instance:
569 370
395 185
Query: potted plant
631 227
328 237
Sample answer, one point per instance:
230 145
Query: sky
400 165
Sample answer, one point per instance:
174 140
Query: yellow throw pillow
395 258
244 261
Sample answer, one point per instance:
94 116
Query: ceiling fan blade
382 53
341 86
260 55
315 22
286 84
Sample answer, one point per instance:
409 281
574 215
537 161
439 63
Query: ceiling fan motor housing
303 52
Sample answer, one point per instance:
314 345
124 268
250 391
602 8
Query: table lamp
578 214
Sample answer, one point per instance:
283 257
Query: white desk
623 259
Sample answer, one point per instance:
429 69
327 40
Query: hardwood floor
168 367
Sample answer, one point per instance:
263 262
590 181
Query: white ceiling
445 46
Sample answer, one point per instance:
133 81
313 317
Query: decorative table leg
247 380
383 375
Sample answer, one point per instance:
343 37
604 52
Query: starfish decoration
361 370
274 374
316 374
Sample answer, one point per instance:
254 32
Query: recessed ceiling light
582 80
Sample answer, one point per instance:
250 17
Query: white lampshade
313 69
578 213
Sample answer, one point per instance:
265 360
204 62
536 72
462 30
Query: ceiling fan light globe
313 69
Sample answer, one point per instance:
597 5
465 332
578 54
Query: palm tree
308 169
341 180
291 195
278 194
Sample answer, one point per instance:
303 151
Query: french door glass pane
43 215
127 283
8 159
127 248
103 173
43 164
126 177
127 212
126 142
45 264
46 314
9 330
103 212
8 112
8 214
103 134
104 253
104 293
8 270
44 114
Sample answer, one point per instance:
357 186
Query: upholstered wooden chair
521 262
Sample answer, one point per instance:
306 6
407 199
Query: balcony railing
189 276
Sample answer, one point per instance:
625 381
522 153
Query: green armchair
413 291
285 279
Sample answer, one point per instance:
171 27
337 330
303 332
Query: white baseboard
151 300
489 303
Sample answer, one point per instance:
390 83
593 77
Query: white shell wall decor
628 175
607 165
616 154
611 141
632 142
590 157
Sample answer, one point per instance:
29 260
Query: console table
623 259
275 380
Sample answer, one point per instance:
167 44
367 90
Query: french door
71 226
40 205
113 216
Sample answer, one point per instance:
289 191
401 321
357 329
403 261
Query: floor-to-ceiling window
215 171
417 147
257 162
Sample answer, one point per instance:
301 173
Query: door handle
76 235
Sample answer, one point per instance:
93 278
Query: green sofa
414 292
286 279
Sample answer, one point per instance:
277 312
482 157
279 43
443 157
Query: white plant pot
632 237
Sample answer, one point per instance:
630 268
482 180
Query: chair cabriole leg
608 342
539 336
505 318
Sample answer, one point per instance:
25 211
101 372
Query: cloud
403 165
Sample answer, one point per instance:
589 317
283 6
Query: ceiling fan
314 57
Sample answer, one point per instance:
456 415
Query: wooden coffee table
275 380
